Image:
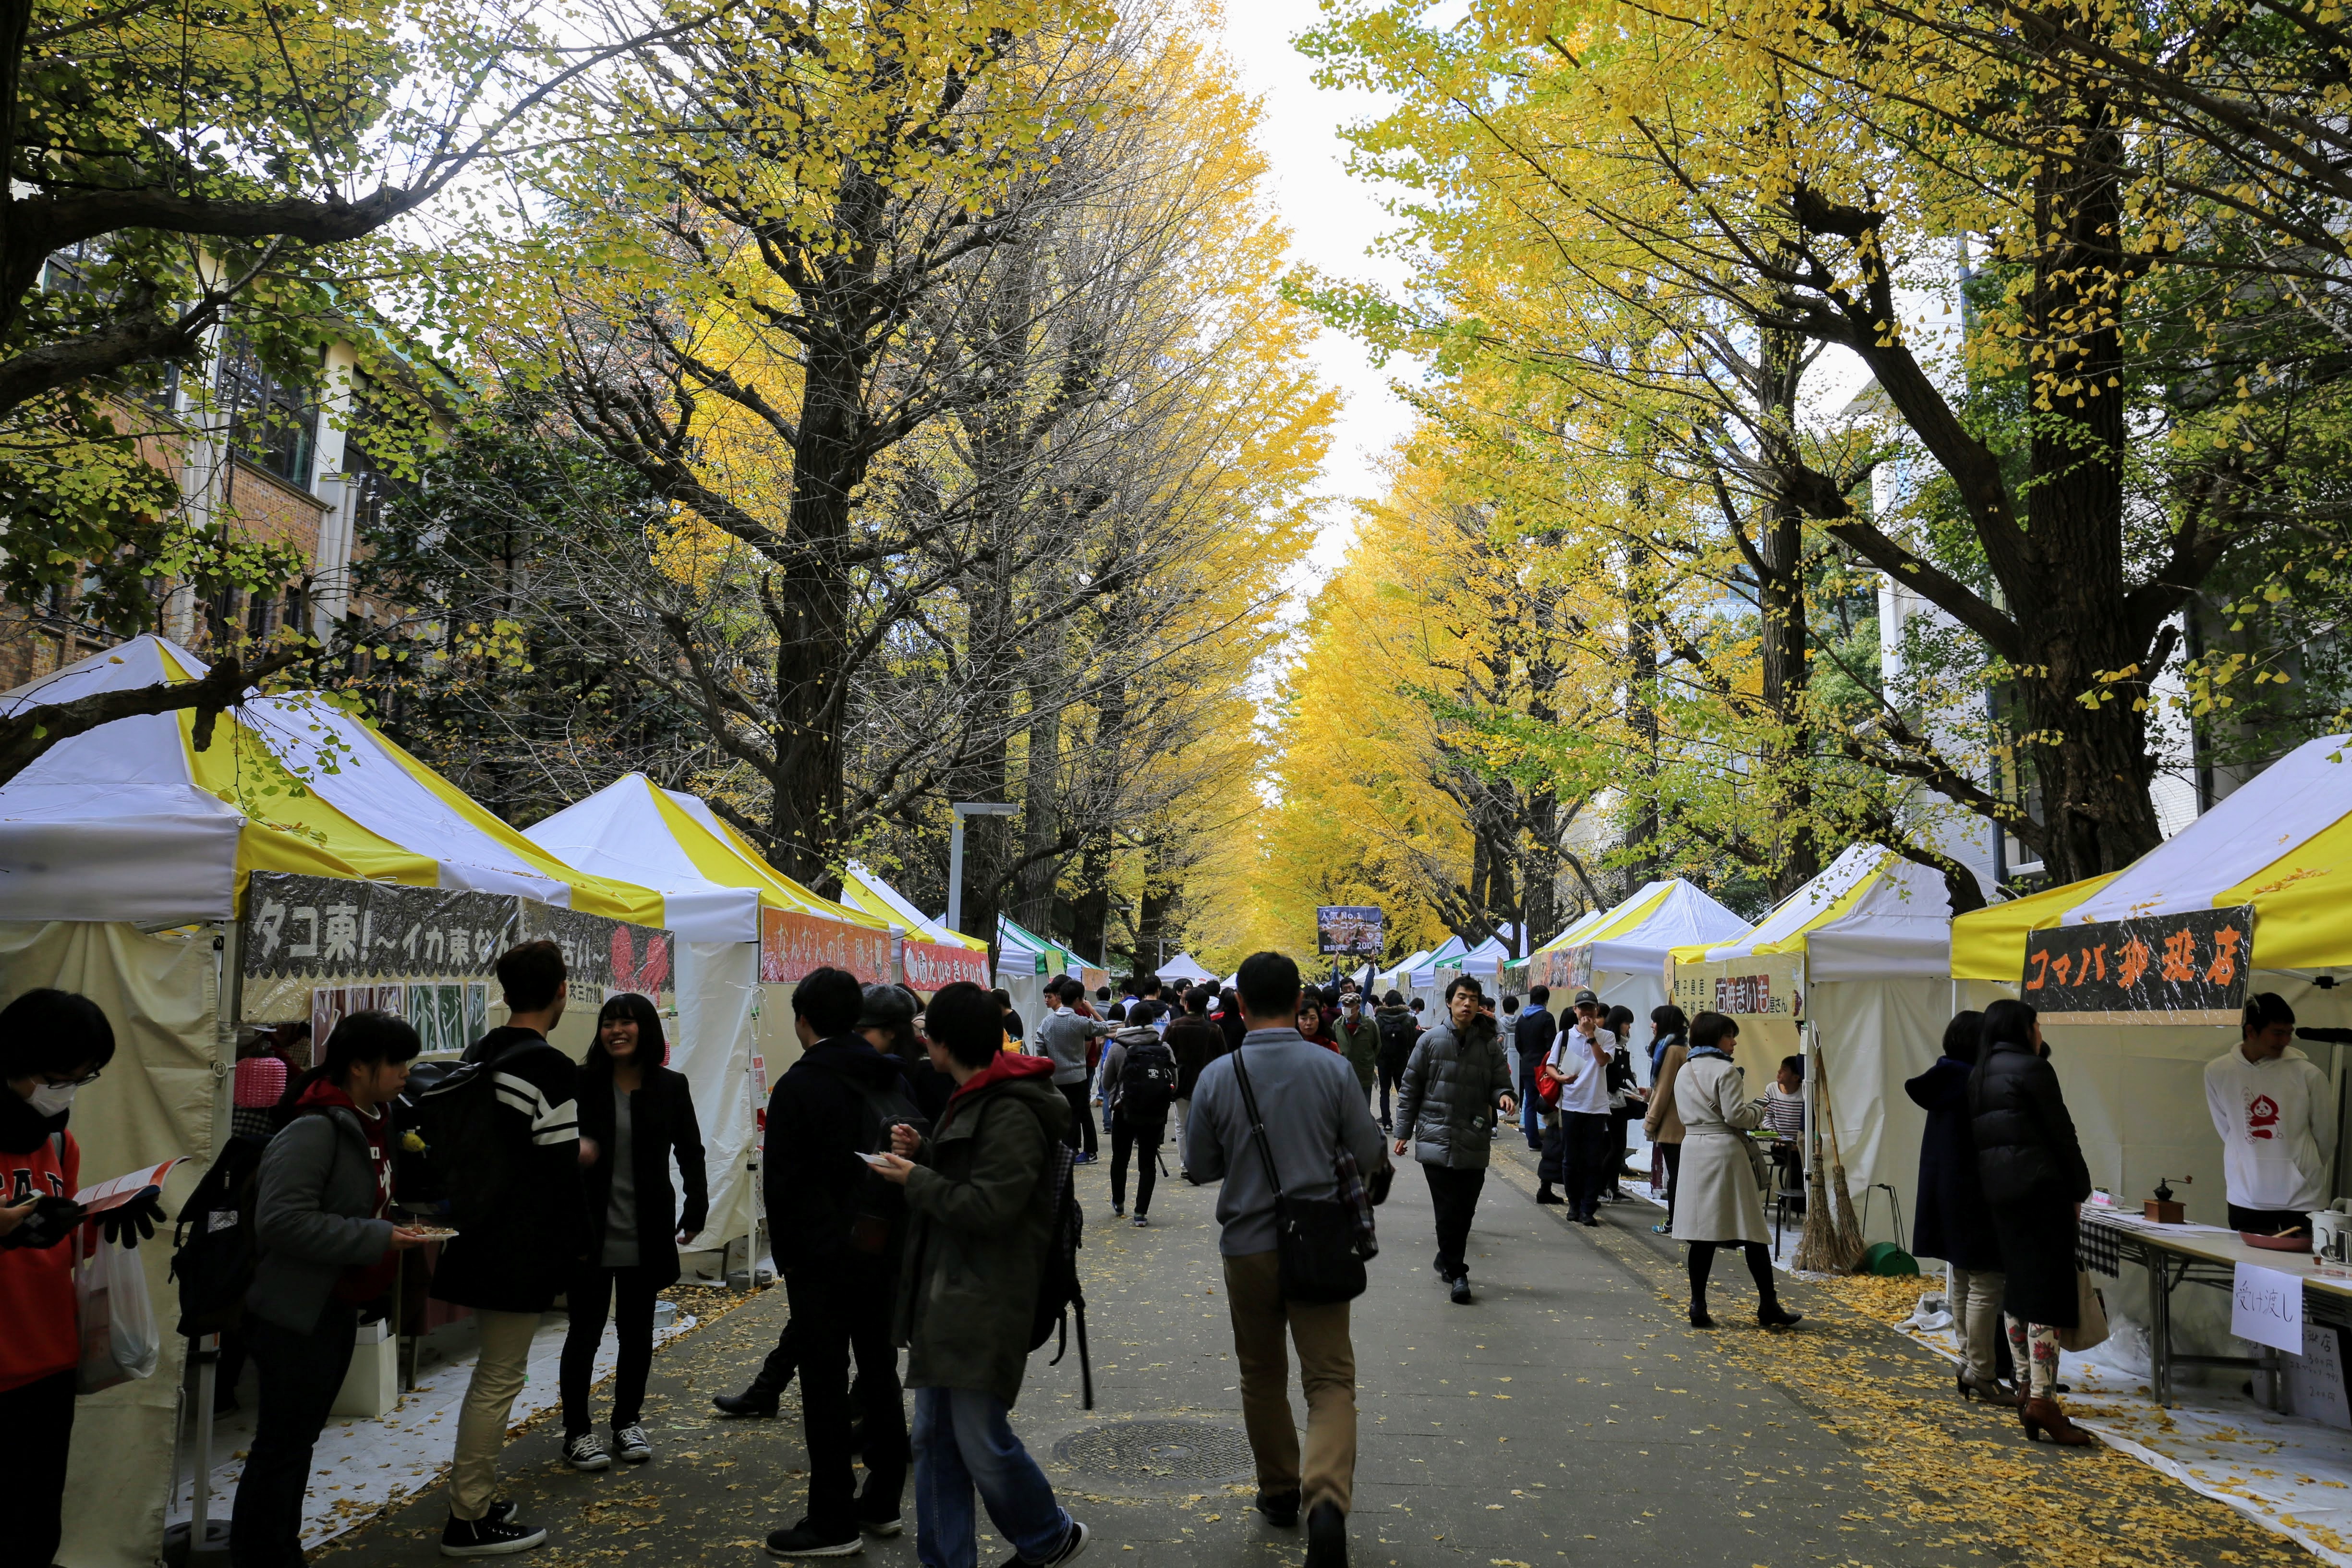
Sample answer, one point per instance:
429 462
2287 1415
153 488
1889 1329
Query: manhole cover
1159 1450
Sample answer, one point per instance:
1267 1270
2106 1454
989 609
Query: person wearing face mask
51 1044
325 1249
637 1114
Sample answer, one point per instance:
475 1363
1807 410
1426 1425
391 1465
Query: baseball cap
1585 999
886 1007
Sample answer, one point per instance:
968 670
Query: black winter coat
1955 1223
810 1170
2031 1167
661 1120
1195 1042
520 1253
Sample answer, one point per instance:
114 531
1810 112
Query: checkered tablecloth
2094 1244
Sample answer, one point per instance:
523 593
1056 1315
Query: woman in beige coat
1662 1123
1720 1203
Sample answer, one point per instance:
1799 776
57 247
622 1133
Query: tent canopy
1449 951
1183 967
1636 936
1870 915
130 822
1014 943
2280 842
863 887
711 880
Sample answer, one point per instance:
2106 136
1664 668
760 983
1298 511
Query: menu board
2187 968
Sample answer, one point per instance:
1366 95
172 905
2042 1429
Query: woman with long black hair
2034 1178
639 1113
326 1244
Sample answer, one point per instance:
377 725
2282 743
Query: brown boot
2038 1416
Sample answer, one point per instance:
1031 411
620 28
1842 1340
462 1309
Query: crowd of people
916 1173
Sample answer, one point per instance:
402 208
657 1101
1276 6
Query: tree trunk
1781 598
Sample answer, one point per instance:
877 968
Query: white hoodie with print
2277 1123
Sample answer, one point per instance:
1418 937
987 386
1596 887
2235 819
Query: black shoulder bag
1315 1238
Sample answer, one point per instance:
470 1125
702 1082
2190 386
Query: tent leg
207 1540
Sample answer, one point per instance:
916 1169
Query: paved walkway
1569 1416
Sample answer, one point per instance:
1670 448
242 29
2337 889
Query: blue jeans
1531 1104
964 1442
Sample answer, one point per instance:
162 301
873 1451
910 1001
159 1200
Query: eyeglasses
82 1082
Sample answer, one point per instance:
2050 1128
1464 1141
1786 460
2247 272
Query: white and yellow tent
2281 844
125 853
1622 953
931 953
722 898
1865 945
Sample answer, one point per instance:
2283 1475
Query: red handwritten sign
932 964
790 945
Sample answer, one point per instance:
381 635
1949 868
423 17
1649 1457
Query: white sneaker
582 1452
629 1442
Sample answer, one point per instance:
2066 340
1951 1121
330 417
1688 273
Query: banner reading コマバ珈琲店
2185 968
791 944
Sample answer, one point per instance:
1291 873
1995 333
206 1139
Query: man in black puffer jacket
836 1247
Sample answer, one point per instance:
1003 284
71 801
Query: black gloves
133 1222
52 1220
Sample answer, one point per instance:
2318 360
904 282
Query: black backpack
1060 1297
1147 1083
1396 1036
213 1248
879 1213
470 1162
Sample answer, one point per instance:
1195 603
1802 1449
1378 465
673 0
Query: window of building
272 425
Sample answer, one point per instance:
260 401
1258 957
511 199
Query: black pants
1587 1162
1454 1192
300 1375
629 1294
1081 1125
1672 1154
1143 1141
37 1417
840 1311
2266 1222
776 1372
1759 1268
1391 1075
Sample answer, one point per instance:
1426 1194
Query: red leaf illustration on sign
655 973
624 960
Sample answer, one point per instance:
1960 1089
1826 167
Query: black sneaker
1327 1536
1281 1509
804 1541
877 1514
751 1402
1072 1544
1462 1290
489 1536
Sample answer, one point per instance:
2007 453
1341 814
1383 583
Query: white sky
1334 218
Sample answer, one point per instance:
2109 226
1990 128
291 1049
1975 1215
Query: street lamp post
963 808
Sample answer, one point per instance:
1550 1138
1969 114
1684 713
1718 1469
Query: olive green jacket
1360 1045
978 1217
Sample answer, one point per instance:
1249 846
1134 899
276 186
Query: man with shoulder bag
1285 1125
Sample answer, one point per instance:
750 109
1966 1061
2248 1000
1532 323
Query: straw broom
1831 1242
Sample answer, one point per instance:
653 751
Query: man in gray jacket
1312 1107
1064 1035
1457 1081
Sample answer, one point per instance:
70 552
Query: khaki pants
1975 1300
489 1400
1327 1371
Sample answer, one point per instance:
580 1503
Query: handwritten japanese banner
792 945
1764 991
2186 968
932 964
326 927
600 956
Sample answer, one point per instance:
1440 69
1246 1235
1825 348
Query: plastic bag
119 1338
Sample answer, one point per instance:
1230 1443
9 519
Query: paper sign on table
2266 1306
